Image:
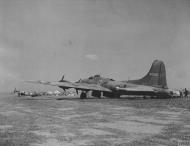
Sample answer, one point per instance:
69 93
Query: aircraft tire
117 95
144 97
83 95
98 95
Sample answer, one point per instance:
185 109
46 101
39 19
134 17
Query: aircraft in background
153 84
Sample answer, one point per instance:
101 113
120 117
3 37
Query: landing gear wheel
117 95
83 95
144 97
98 95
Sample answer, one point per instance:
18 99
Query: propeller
63 77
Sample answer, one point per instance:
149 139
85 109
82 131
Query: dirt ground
47 121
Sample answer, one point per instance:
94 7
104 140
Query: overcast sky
44 39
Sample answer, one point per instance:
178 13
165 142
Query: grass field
46 121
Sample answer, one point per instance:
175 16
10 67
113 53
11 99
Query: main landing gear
83 95
96 94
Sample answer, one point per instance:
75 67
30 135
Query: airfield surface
46 121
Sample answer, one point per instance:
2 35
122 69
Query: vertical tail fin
156 76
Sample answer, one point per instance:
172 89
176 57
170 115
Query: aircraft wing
78 86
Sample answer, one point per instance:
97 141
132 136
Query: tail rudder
155 77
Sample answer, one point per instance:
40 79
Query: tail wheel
83 95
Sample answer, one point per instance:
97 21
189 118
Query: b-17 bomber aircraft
153 84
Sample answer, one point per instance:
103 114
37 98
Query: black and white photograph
94 72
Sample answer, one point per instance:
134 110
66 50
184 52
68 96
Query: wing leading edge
77 86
